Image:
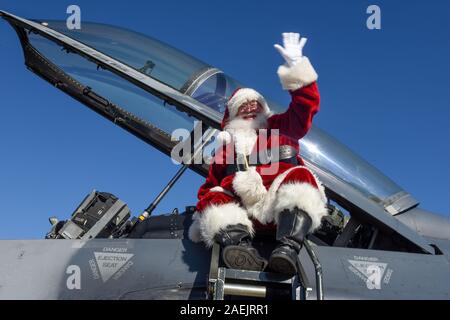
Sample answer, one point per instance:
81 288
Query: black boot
237 251
293 226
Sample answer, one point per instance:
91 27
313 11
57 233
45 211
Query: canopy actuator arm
198 147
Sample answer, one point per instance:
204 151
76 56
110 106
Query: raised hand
293 47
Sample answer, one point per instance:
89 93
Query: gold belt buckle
241 159
287 151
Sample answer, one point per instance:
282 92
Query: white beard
243 132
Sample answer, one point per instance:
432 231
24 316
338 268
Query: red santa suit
256 196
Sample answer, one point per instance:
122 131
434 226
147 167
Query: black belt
233 168
287 154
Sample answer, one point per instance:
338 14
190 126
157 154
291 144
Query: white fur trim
260 122
303 196
243 95
242 133
249 187
214 218
244 139
298 76
264 210
194 229
220 189
223 138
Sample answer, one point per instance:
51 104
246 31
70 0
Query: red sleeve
205 197
297 120
217 171
215 176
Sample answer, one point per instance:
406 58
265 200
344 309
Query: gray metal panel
399 202
178 269
70 230
144 269
443 245
370 209
426 223
403 275
118 206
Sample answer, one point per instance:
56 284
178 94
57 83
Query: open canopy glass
201 81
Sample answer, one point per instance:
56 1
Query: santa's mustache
259 121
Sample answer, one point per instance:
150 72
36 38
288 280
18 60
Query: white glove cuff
297 76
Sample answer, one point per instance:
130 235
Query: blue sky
385 94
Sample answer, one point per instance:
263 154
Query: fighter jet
376 243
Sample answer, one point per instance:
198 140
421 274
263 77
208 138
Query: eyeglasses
250 103
250 106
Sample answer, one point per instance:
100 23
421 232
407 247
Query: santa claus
243 194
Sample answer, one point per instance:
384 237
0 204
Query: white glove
293 46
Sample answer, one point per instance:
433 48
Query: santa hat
240 96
